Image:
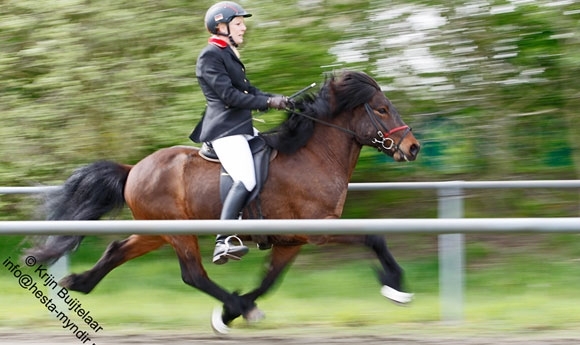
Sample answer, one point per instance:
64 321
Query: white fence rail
367 186
293 226
450 226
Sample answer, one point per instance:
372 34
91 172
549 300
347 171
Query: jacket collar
218 42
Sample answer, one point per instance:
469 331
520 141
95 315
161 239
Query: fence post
451 256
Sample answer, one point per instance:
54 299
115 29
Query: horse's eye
383 111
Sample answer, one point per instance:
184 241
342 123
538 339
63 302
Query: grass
506 291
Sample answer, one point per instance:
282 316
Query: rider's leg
225 246
236 157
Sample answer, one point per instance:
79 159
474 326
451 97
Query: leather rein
382 141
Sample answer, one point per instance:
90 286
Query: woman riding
227 121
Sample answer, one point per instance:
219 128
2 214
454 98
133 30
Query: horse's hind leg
117 253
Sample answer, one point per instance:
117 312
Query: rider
227 121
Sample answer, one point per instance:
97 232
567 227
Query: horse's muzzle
408 149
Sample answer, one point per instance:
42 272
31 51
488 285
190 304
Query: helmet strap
232 41
230 37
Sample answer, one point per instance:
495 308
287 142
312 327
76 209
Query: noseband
383 142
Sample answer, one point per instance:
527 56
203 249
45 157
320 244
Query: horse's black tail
88 194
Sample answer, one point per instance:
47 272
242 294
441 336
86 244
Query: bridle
383 137
382 141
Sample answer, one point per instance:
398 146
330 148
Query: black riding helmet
223 12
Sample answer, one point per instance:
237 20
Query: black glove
278 102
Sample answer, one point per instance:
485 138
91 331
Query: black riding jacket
229 94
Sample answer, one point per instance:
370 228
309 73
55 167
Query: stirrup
239 251
227 242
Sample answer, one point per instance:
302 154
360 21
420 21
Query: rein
381 136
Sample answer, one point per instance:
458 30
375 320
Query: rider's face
237 29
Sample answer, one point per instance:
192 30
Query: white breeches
235 155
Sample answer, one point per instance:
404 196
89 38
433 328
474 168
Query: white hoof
254 315
396 296
218 326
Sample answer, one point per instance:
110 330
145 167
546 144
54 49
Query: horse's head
353 103
375 120
387 132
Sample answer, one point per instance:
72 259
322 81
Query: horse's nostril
414 150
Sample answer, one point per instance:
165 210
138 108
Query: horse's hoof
254 315
68 281
395 295
218 326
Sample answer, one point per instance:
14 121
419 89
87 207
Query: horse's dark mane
339 93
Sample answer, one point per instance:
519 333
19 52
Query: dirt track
13 338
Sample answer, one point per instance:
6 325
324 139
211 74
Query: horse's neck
317 175
334 151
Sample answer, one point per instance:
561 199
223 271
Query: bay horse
317 147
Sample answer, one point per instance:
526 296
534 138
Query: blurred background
490 88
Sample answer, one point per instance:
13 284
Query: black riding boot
233 204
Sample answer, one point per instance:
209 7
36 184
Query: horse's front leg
280 257
193 273
391 275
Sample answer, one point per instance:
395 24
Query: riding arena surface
169 337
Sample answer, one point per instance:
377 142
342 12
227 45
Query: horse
316 151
